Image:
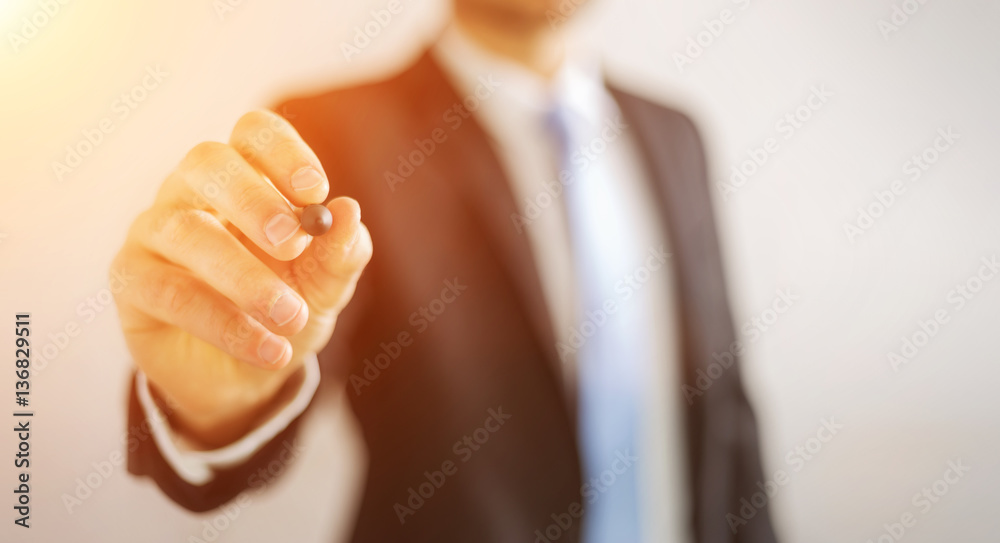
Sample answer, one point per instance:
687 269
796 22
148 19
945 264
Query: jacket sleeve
200 481
203 480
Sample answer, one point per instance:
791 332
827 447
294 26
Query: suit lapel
474 169
676 161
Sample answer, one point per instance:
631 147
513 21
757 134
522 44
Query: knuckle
253 120
291 151
183 227
248 283
361 254
254 132
118 263
205 155
236 332
252 200
125 277
345 297
359 261
173 293
365 248
141 227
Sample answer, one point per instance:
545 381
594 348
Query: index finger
273 146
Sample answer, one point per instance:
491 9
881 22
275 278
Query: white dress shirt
513 119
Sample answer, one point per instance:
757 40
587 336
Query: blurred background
864 242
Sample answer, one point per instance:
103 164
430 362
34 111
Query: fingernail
284 309
272 350
280 228
306 178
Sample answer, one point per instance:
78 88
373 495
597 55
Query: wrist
231 415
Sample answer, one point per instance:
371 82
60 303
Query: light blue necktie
609 360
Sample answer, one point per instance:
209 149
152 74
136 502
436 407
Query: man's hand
229 292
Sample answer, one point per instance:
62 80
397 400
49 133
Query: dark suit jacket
491 346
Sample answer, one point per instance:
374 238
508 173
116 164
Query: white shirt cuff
198 467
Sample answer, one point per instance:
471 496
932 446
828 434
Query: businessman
546 280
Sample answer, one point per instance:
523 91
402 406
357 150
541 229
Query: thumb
328 270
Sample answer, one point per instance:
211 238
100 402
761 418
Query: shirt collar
578 86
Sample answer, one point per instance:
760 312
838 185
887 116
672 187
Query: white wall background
783 229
